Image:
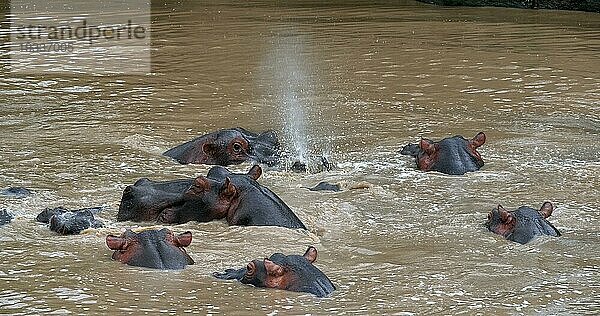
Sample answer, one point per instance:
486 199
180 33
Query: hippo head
175 202
72 223
156 249
228 147
293 273
145 200
453 155
523 224
66 222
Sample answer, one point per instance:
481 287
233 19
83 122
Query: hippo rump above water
292 273
453 155
523 224
156 249
236 197
576 5
228 147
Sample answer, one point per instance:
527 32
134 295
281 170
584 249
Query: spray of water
293 93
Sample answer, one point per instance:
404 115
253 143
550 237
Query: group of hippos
239 199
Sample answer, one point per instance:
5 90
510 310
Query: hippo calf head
156 249
522 224
293 273
453 155
66 222
227 147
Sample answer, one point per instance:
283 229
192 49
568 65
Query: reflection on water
362 79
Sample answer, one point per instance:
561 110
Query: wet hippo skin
453 155
5 217
523 224
156 249
66 222
292 273
16 192
236 197
228 147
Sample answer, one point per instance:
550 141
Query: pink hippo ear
546 209
478 140
228 190
505 215
427 146
116 243
311 254
183 239
255 172
273 269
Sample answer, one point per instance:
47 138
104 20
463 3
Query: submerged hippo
453 155
15 192
293 273
156 249
228 147
522 224
236 197
5 217
67 222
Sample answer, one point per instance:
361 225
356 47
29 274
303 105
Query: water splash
293 93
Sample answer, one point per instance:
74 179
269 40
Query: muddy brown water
353 81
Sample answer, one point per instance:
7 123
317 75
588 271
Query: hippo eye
489 216
237 147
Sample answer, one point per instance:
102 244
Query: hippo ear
311 254
547 209
255 172
210 149
427 146
116 243
273 269
478 140
228 190
505 215
201 183
183 239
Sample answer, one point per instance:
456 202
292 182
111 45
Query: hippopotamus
453 155
313 164
292 273
67 222
522 224
5 217
236 197
15 192
326 186
156 249
228 147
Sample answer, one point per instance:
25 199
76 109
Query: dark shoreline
573 5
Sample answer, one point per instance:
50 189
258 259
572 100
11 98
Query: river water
352 81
